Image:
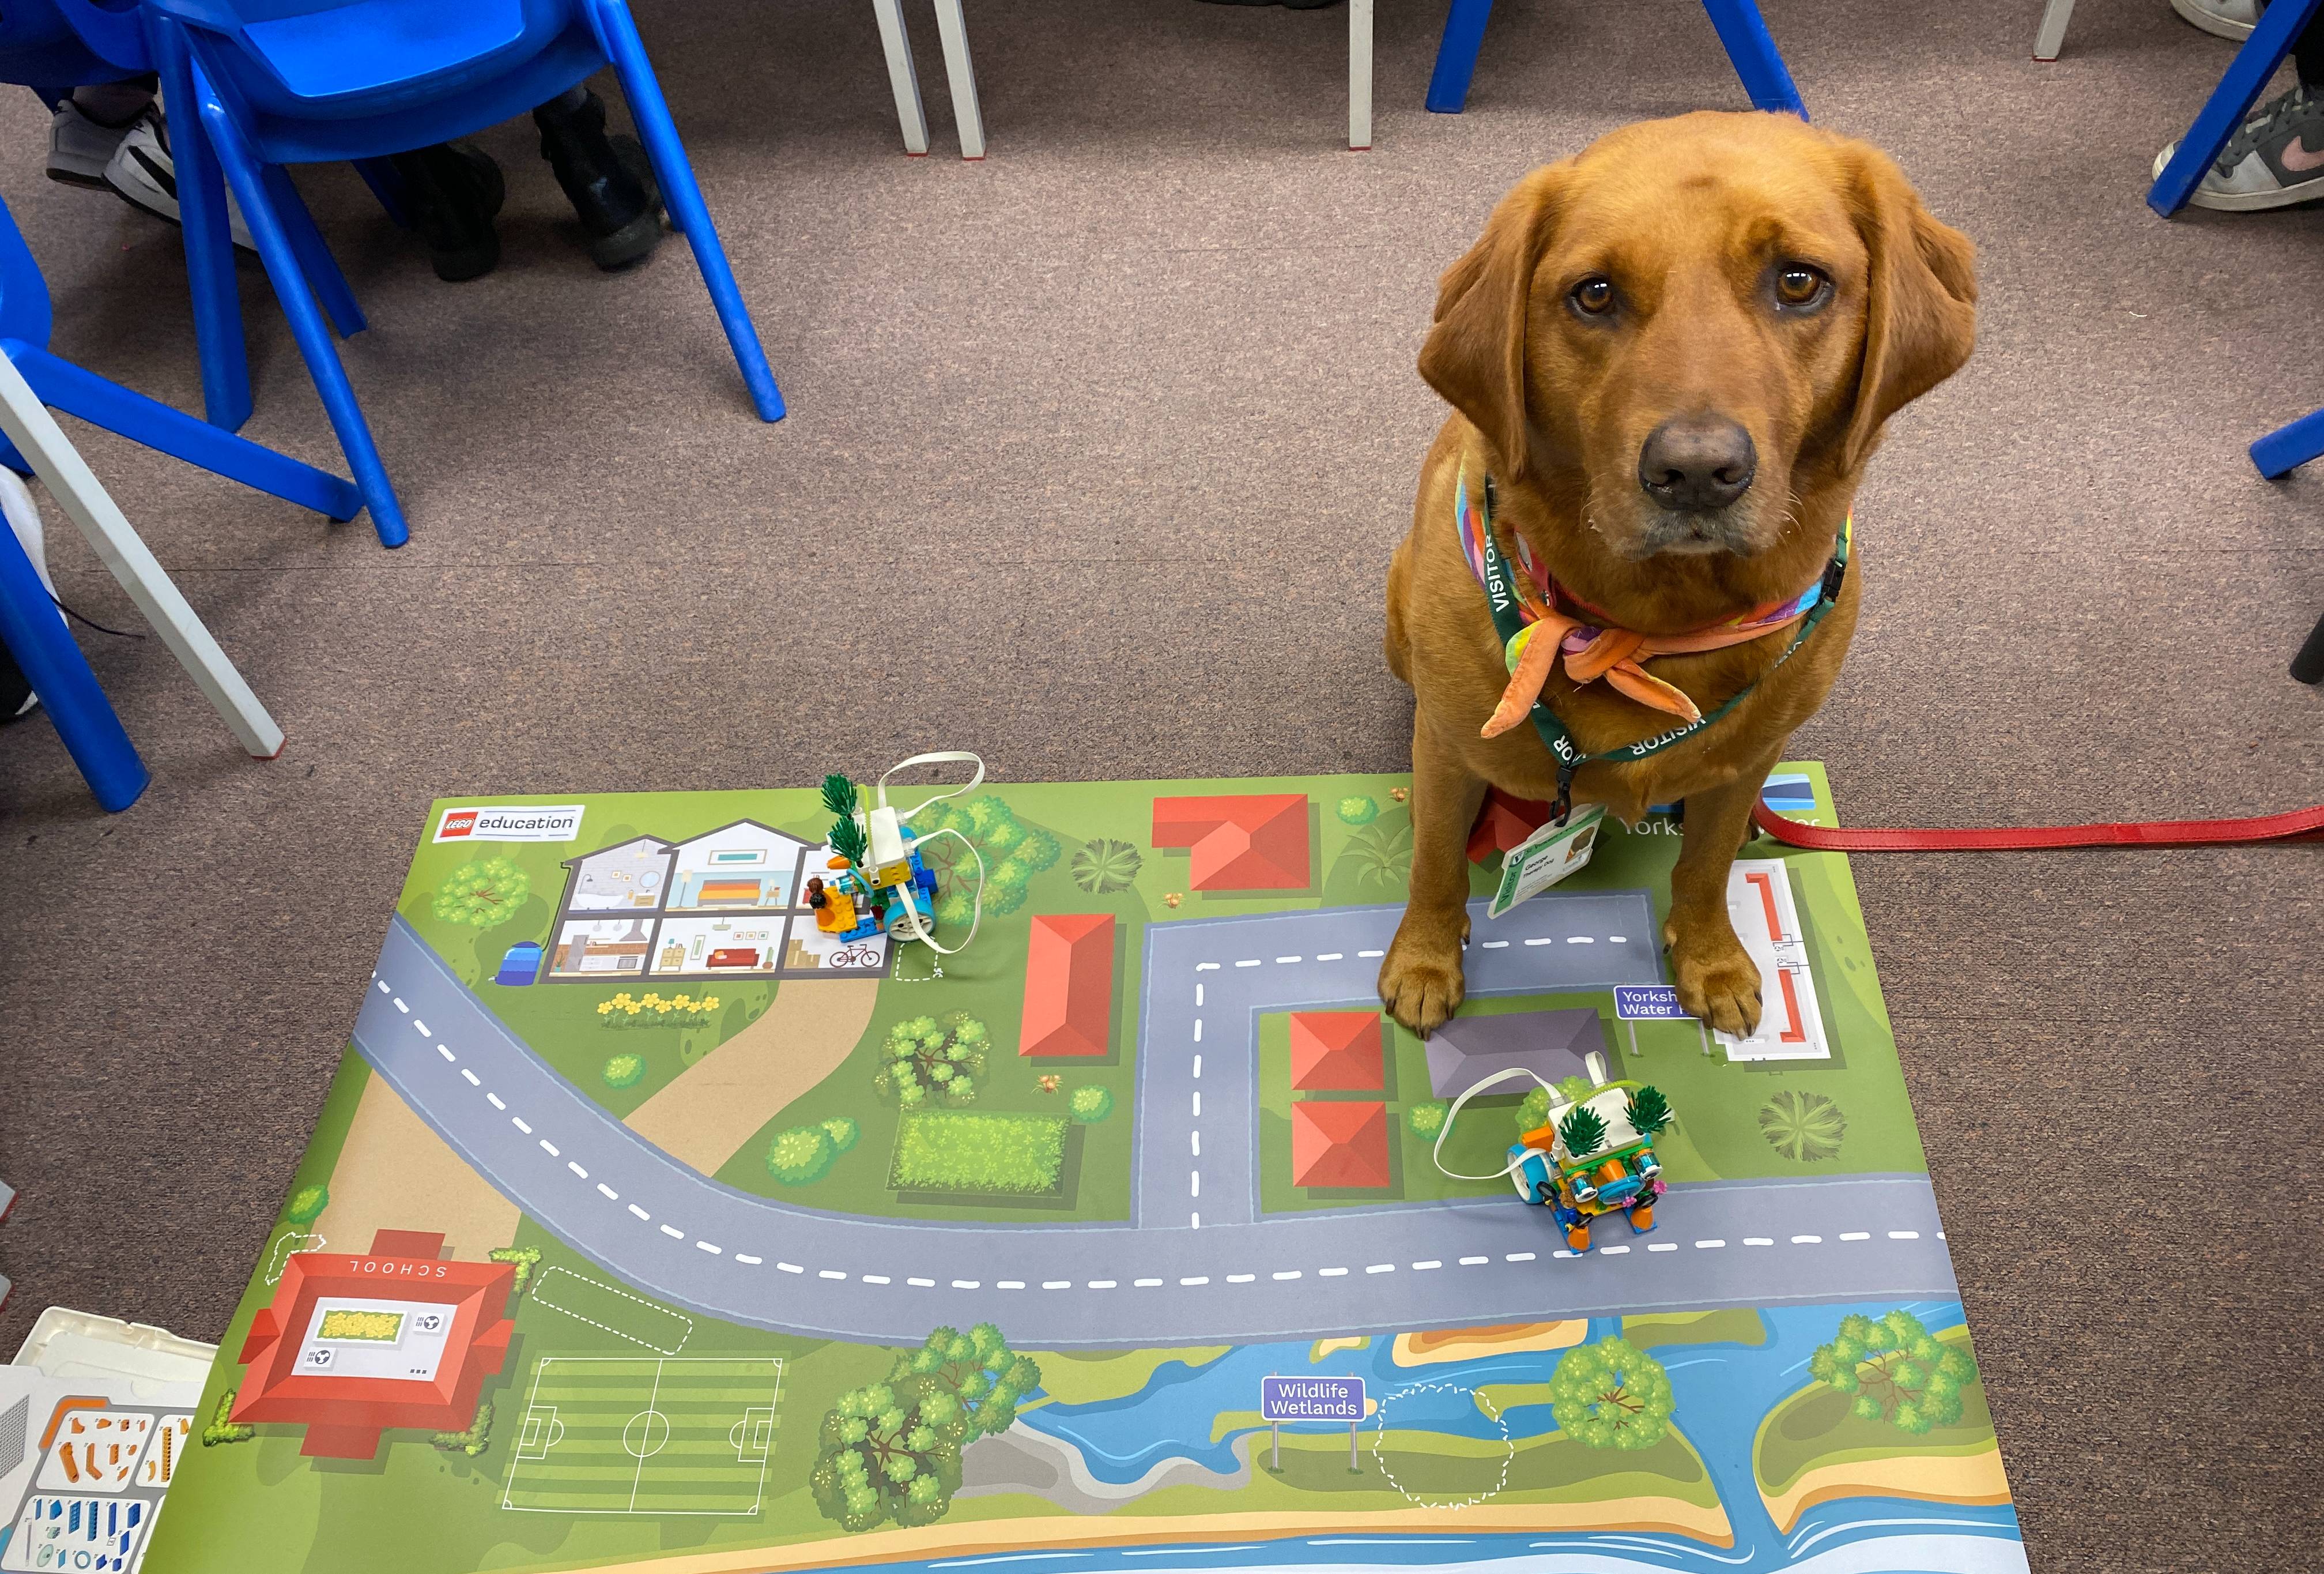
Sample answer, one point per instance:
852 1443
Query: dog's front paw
1716 977
1420 982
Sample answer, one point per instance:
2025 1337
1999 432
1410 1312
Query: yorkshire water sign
1646 1002
1282 1399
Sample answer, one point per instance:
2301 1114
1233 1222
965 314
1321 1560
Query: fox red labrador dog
1669 359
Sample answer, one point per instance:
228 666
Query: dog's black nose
1696 463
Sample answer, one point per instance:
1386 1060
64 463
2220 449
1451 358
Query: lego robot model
1592 1156
876 880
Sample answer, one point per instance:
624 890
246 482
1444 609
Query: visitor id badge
1547 857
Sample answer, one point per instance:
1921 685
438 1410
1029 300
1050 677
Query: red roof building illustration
1256 842
1503 822
1069 984
1336 1051
354 1345
1339 1142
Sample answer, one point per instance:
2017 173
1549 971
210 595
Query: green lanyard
1510 619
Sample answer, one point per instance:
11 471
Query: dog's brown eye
1798 284
1594 296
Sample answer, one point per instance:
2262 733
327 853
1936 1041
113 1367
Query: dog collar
1526 605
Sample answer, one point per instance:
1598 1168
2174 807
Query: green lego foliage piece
1583 1131
847 840
839 795
1648 1111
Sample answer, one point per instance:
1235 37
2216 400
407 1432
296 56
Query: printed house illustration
1550 1045
1069 986
726 903
1336 1051
1339 1142
399 1337
1253 842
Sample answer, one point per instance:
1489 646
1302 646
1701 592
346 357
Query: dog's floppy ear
1921 322
1475 356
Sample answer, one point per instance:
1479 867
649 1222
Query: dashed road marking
1625 940
1198 1030
1329 956
922 1283
449 1058
1066 1283
1252 962
1001 1283
494 1100
1904 1234
423 1027
1473 1262
1144 1284
1198 1067
470 1077
965 1283
1614 1250
868 1278
1580 940
1101 1284
1288 1273
746 1257
1807 1240
1198 995
675 1234
790 1267
1371 953
1663 1247
1381 1268
1241 1278
401 1006
707 1246
829 1273
549 1148
576 1169
1206 967
1331 1272
1541 941
1197 1137
610 1194
640 1212
1280 961
1497 945
1857 1235
1198 1104
1198 1278
1708 1245
1520 1257
1432 1263
1197 1183
1757 1241
520 1123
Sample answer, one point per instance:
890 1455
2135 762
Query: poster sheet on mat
648 1225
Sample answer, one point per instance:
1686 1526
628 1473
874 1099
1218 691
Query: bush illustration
526 1258
1104 866
1612 1395
1803 1126
471 1442
1358 811
891 1450
1897 1370
222 1430
307 1204
800 1155
484 891
1426 1118
1003 1155
623 1070
1533 1111
843 1131
924 1059
1089 1104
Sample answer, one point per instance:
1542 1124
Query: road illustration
1197 1263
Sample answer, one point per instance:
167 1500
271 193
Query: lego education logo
510 823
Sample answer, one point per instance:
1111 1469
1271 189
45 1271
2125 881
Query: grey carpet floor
1130 407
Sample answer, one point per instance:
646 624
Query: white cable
939 757
976 913
1506 1170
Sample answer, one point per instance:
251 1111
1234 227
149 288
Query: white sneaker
142 173
79 148
23 517
2220 18
2268 162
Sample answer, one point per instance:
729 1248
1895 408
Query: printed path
394 1172
718 1104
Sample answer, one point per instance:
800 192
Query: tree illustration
1104 866
1612 1395
1648 1111
891 1450
484 891
1426 1119
924 1059
1014 852
1583 1131
1803 1126
1897 1371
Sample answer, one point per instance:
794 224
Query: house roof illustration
645 846
1503 822
1550 1045
354 1345
1252 842
1069 984
1336 1051
729 845
1339 1142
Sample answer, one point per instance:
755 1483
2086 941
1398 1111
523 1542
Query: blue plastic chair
299 81
1741 29
2280 27
53 46
59 674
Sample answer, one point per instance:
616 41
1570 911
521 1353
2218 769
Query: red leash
2297 825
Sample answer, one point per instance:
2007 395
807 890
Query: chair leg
209 245
951 28
896 41
53 664
109 405
307 325
1360 75
1456 55
315 258
388 186
1752 50
2050 38
2307 666
2280 25
2287 448
620 33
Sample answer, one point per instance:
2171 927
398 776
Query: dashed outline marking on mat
542 1283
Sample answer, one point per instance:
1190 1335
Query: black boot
608 179
455 191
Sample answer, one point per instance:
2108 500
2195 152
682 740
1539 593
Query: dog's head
1695 321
